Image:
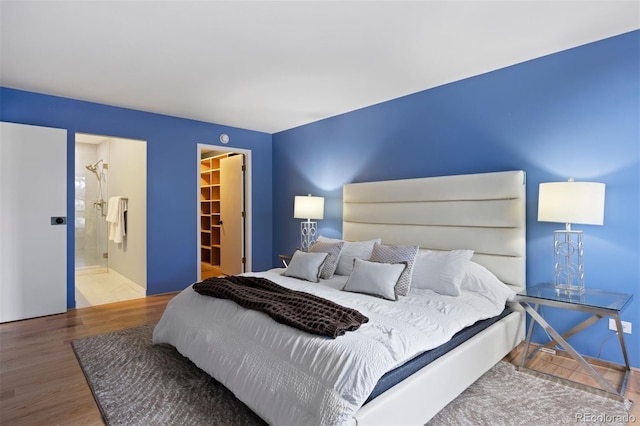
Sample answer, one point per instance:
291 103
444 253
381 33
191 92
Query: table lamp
308 207
570 202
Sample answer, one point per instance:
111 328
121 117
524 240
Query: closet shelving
210 210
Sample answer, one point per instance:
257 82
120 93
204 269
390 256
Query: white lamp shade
571 202
308 207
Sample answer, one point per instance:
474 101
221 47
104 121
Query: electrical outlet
626 326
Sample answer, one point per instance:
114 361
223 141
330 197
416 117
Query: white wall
128 178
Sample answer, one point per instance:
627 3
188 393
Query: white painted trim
248 202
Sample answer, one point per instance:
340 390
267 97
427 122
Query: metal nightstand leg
525 357
560 339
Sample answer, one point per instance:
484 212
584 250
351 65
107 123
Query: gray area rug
137 383
505 396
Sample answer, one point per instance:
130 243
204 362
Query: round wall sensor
224 138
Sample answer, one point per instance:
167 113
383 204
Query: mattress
290 377
395 376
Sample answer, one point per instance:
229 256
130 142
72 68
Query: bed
484 213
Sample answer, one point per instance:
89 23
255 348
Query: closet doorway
224 195
109 268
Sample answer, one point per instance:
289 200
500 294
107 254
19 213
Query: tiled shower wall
90 226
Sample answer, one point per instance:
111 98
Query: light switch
58 220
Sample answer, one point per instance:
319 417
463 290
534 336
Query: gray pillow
376 279
351 250
396 254
305 266
331 263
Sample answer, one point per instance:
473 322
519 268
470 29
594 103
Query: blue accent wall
571 114
172 173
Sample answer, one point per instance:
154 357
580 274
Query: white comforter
289 377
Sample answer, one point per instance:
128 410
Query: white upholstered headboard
484 212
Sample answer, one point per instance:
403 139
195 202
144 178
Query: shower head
94 167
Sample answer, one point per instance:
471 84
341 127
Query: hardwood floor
41 382
563 366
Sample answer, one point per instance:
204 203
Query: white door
33 230
231 215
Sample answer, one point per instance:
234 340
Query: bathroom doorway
110 219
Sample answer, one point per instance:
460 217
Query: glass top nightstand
592 298
598 303
285 259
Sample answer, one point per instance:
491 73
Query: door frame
97 139
247 202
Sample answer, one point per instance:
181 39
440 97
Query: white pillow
376 279
440 271
478 279
351 250
306 266
330 265
396 254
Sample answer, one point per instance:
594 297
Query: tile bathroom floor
98 286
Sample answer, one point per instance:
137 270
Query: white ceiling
273 65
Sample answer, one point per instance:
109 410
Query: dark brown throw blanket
297 309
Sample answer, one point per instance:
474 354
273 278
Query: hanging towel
116 214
